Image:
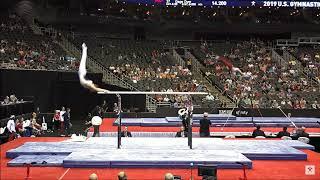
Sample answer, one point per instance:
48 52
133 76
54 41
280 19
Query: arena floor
262 169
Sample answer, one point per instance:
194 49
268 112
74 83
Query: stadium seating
21 48
146 64
149 65
272 85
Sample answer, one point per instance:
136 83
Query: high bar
152 93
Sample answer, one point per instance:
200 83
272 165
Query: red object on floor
244 167
262 169
28 172
107 126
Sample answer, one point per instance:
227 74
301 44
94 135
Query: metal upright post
190 132
251 109
119 122
190 114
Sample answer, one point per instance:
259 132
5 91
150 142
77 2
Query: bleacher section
272 85
21 48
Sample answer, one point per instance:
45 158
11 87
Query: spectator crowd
248 74
12 99
245 71
20 48
36 125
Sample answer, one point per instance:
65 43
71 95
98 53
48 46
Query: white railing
287 42
35 29
276 57
178 58
309 40
297 42
289 57
195 63
49 31
166 104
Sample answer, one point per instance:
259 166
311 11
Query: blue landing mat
155 158
280 119
218 120
56 148
260 150
297 144
252 149
213 116
175 121
38 160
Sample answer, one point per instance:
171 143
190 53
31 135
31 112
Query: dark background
51 90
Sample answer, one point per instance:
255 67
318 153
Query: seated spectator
126 133
258 132
209 97
115 107
315 105
182 133
168 176
19 127
35 125
104 106
28 128
56 121
166 99
93 176
13 98
300 132
282 133
122 176
6 100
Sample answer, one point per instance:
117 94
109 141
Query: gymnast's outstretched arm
83 71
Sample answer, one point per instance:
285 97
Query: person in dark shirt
4 136
126 133
185 122
300 132
258 132
282 133
122 176
38 114
182 133
66 117
104 106
205 126
97 111
19 126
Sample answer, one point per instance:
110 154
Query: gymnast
83 71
